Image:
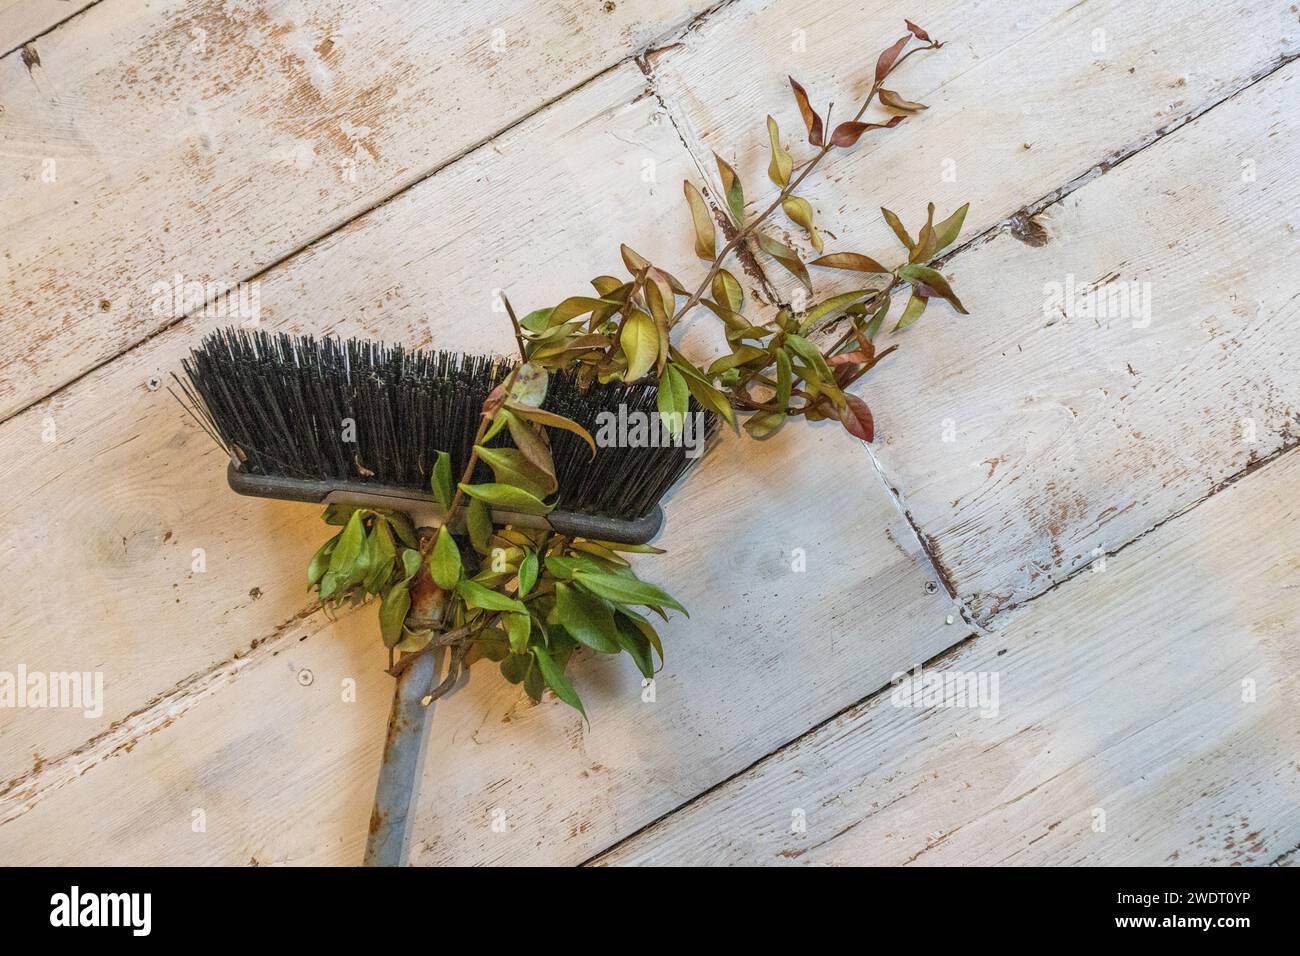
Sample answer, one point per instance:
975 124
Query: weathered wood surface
1023 99
21 20
1050 437
387 275
1155 698
192 137
208 707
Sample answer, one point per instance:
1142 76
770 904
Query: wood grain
1125 702
189 137
1052 436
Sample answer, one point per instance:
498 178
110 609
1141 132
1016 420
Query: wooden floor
1096 515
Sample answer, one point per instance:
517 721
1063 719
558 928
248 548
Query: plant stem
488 415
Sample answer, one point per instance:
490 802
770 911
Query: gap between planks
28 41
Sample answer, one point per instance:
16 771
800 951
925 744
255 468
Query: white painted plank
392 274
1023 98
145 139
1124 701
1046 437
20 20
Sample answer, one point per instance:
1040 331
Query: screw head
305 677
153 383
931 587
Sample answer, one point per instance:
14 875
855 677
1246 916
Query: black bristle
279 405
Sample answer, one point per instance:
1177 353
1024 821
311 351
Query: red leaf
889 56
846 134
917 31
810 117
857 419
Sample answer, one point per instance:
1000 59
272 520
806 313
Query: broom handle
399 773
408 721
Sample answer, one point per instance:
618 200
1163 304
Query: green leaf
787 257
529 387
915 307
727 290
413 641
644 626
673 399
507 498
444 562
552 420
392 613
337 514
573 307
947 231
556 680
833 304
762 425
711 398
527 573
814 358
742 355
440 480
478 521
536 320
784 379
627 590
518 627
780 165
706 240
320 561
348 550
635 643
852 261
516 667
410 562
896 224
732 189
882 310
640 341
933 280
589 619
511 466
800 212
476 595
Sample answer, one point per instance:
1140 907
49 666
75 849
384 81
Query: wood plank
20 20
1049 438
386 276
148 139
1123 692
1023 99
